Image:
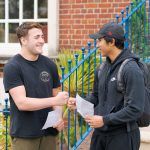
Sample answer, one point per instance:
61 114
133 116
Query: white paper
52 118
84 107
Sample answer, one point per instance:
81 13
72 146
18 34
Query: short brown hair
23 29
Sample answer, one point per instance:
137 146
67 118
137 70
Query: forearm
32 104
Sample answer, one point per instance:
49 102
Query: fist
72 103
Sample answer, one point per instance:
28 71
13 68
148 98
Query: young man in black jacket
114 123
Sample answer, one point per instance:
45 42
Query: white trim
23 20
6 20
53 27
35 9
20 11
9 50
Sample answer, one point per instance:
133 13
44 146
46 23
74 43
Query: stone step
145 138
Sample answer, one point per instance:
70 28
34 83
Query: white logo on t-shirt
44 76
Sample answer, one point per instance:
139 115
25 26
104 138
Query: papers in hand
52 118
84 107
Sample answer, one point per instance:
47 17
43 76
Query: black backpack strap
120 85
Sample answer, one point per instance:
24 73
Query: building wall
79 18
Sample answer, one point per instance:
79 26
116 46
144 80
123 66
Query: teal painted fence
78 76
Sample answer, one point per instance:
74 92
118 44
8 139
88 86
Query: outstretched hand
72 103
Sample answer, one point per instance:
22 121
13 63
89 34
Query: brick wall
1 70
79 18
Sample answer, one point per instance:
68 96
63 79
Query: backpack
144 120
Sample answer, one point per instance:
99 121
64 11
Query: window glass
28 9
2 9
12 32
2 32
42 8
13 9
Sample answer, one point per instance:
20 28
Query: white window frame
9 49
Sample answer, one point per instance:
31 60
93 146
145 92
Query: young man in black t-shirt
32 82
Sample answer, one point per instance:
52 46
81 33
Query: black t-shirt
39 78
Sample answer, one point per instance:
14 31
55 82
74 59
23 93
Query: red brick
78 42
84 31
65 16
78 21
105 5
72 42
104 10
84 1
65 1
90 11
119 1
77 11
78 6
64 11
84 21
1 74
71 11
72 32
90 16
65 26
92 5
84 11
91 21
123 5
78 26
111 10
78 32
78 1
97 10
65 41
65 6
63 31
77 36
81 16
104 15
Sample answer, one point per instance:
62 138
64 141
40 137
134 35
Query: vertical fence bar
75 112
140 33
144 39
69 78
127 28
81 120
131 4
117 19
148 22
136 30
122 16
62 86
94 57
6 116
89 67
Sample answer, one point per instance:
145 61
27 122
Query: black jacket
109 102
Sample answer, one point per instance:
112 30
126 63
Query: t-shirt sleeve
12 77
55 76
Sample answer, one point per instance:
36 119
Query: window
14 12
